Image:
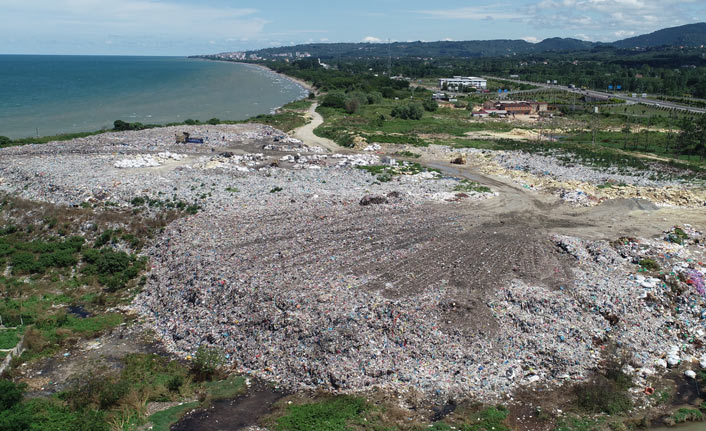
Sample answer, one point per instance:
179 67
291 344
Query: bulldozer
185 137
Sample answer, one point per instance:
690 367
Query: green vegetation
206 362
9 338
330 415
578 424
471 186
685 414
678 236
226 389
410 111
650 265
408 154
605 393
385 173
102 401
162 421
169 204
487 419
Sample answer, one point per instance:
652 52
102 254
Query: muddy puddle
234 414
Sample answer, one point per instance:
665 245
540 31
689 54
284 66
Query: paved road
306 132
594 93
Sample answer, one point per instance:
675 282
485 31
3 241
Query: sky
188 27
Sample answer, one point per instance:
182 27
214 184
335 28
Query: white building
460 83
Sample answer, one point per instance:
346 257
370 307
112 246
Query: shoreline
305 85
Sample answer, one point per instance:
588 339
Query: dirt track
306 132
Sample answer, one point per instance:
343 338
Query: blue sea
48 95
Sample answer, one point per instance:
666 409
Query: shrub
175 383
214 121
206 362
335 99
352 105
410 111
430 105
605 393
22 262
5 141
374 97
650 264
11 394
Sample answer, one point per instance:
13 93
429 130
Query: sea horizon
42 95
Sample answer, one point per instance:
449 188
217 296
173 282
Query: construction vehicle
186 138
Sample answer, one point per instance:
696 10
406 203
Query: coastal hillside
692 35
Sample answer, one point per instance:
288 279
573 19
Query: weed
206 362
163 421
329 415
470 186
685 414
650 264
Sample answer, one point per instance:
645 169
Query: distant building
461 83
516 108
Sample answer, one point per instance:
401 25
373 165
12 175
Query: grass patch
578 424
385 173
162 421
330 415
9 338
470 186
226 389
299 105
408 154
489 419
685 414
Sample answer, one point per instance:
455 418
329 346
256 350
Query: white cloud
132 21
480 12
371 39
611 19
531 39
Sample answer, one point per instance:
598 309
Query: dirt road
306 132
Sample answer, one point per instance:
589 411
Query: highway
598 94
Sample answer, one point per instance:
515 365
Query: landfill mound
341 296
348 297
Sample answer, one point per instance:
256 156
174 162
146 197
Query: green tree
430 105
10 394
335 99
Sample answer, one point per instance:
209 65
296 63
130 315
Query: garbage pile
116 167
300 300
148 160
574 181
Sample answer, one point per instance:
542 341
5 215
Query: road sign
610 87
620 87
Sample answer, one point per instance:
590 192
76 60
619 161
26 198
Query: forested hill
691 35
685 35
465 49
